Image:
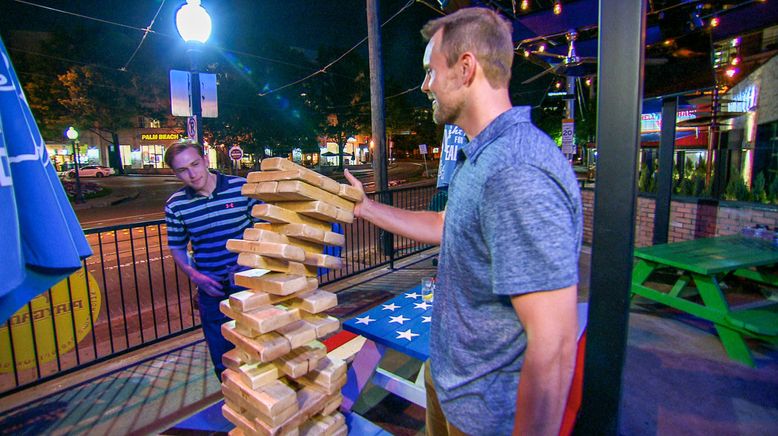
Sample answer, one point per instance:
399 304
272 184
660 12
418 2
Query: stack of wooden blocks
279 379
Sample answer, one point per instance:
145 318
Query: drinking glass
427 288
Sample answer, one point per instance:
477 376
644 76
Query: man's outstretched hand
363 202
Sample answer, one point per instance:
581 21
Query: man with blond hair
503 335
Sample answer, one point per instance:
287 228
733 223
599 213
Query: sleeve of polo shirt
528 223
177 233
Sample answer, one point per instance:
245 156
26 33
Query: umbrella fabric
12 264
50 240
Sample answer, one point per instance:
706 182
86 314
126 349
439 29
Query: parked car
91 171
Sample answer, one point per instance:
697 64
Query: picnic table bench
705 263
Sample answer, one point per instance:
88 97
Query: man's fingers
353 180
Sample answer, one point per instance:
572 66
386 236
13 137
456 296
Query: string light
526 53
557 8
715 21
588 81
558 85
735 61
542 48
730 72
524 5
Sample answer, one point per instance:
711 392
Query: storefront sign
160 137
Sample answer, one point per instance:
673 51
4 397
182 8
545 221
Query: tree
103 101
340 98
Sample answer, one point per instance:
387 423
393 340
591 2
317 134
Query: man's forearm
181 259
422 226
542 394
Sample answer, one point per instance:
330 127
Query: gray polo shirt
513 226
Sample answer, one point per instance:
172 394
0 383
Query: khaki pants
436 424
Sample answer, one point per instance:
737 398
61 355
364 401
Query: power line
339 58
143 38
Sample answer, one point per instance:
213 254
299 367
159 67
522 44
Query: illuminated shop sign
653 122
160 136
745 100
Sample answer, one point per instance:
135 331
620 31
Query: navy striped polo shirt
208 222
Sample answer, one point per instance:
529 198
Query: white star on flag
426 319
408 334
364 320
391 307
412 295
423 305
398 319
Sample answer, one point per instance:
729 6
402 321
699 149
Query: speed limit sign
568 136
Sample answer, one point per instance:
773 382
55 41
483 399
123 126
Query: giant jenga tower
279 379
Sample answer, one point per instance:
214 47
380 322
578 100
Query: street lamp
194 25
72 135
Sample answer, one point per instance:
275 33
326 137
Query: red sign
236 153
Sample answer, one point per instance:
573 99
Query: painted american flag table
402 324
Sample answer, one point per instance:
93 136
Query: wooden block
327 372
272 282
320 210
232 359
298 333
270 236
256 261
324 324
327 388
244 424
350 193
299 361
309 402
270 249
268 400
256 375
259 422
263 320
323 260
244 301
309 233
316 301
297 190
264 235
263 348
277 214
299 173
323 424
310 176
333 402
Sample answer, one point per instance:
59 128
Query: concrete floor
677 378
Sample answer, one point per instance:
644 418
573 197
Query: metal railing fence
130 294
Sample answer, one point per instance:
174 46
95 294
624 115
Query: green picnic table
704 263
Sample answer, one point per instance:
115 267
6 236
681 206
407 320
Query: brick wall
690 218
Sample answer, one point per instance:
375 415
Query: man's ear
467 67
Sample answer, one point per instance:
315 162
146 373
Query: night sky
239 26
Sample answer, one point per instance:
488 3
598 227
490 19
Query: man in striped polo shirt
206 212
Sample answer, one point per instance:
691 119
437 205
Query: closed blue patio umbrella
41 241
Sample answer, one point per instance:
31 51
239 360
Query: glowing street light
72 135
194 25
193 22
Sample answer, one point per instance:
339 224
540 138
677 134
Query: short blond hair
481 31
179 147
